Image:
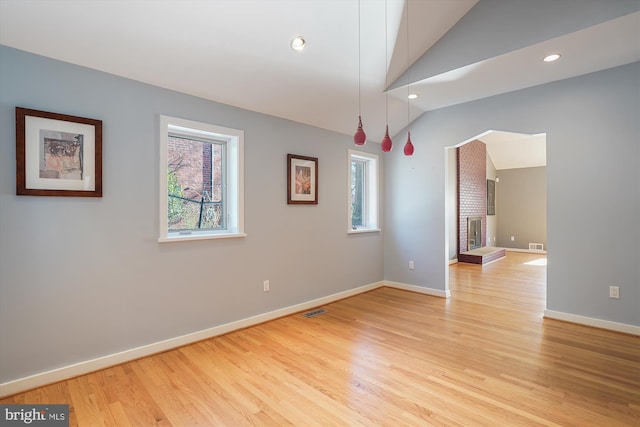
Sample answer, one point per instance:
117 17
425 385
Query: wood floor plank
484 357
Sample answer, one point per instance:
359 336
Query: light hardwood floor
485 357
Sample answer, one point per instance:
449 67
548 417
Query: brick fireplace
472 191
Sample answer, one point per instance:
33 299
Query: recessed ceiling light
551 58
298 43
412 96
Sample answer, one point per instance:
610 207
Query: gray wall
591 175
82 278
523 207
493 223
452 202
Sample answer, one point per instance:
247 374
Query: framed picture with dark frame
491 197
302 180
57 154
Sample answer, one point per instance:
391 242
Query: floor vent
315 312
536 247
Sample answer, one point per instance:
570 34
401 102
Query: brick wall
196 172
207 175
472 189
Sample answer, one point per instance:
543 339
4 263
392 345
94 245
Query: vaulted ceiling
238 51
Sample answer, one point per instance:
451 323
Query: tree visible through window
363 191
201 181
358 193
195 185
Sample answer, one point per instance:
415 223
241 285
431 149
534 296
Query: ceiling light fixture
413 96
552 57
298 43
386 143
408 146
360 137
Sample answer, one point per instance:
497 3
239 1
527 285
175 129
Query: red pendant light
360 138
387 144
408 147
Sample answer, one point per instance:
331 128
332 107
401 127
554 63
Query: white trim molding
590 321
44 378
528 251
420 289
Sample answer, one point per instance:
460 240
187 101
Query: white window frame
234 177
372 191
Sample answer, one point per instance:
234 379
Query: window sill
364 230
185 237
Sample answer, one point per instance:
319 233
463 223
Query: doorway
516 166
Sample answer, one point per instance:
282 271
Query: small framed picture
491 197
302 180
57 154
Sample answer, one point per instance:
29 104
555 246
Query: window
363 192
201 181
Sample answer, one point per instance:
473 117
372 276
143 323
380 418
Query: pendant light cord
408 67
386 65
359 64
408 147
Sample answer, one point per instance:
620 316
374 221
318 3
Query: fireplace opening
474 232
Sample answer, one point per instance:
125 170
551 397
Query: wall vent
536 247
315 312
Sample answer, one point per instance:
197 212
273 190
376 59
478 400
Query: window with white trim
201 181
363 192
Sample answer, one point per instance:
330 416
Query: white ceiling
510 150
237 51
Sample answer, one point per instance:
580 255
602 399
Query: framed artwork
302 180
57 154
491 197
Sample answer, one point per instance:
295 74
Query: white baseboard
38 380
413 288
453 261
529 251
590 321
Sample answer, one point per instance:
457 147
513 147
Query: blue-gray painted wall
592 123
82 278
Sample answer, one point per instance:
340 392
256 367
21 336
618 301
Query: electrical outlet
411 265
265 286
513 238
614 292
